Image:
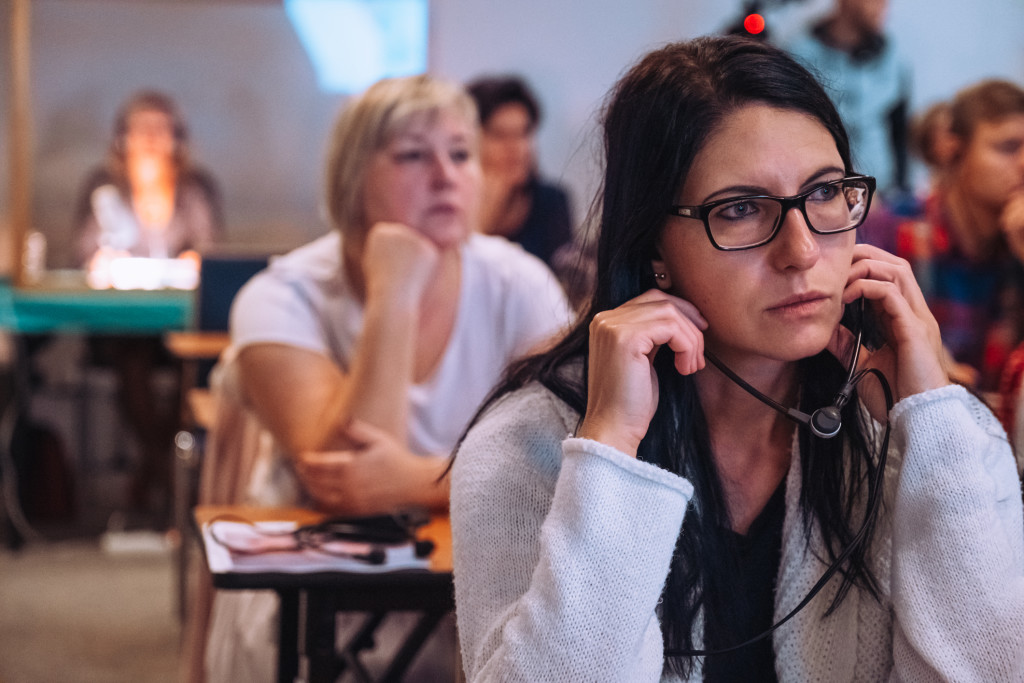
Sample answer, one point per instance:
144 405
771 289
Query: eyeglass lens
833 207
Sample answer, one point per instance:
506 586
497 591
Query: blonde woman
366 352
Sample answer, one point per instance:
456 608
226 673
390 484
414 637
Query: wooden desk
196 345
192 347
320 595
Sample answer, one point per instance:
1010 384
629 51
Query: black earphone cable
859 538
824 423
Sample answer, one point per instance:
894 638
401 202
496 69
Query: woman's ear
953 147
661 276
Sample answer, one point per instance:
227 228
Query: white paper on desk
281 555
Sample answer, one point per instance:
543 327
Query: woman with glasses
708 447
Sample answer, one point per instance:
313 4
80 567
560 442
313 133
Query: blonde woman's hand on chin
398 263
622 385
912 358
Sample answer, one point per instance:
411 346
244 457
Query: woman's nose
444 170
796 246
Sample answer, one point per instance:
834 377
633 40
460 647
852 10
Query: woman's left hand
912 356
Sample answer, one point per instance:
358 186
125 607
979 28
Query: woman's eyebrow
735 191
409 138
827 170
755 190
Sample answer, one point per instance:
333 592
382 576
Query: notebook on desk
280 546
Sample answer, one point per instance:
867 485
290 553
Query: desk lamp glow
113 266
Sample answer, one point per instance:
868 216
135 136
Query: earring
660 276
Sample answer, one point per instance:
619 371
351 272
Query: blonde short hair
368 124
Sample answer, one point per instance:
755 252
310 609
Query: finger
878 262
661 324
889 269
641 325
321 459
883 292
688 353
656 296
681 329
903 324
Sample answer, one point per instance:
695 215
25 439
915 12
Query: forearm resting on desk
295 394
347 465
304 398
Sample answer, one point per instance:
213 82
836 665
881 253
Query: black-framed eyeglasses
736 223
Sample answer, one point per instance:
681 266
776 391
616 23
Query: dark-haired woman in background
516 203
682 514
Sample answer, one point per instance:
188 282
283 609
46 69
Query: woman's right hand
398 262
622 385
370 472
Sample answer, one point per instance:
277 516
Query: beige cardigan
562 546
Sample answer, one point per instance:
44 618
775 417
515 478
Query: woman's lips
801 304
443 209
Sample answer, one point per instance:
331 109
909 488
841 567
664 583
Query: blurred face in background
149 142
990 165
506 146
427 178
867 15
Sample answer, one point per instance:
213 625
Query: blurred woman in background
967 244
147 200
516 203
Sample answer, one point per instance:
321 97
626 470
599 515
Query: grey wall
256 117
258 121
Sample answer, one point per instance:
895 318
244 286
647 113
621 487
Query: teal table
62 303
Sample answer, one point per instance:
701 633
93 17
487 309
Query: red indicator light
753 23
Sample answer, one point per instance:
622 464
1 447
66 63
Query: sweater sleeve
958 543
561 548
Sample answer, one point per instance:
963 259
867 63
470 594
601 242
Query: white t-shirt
509 301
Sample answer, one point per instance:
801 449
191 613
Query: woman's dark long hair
656 120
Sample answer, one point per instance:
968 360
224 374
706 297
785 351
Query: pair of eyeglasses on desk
364 539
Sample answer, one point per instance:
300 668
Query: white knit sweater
562 546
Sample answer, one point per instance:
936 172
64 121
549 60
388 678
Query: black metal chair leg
411 646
